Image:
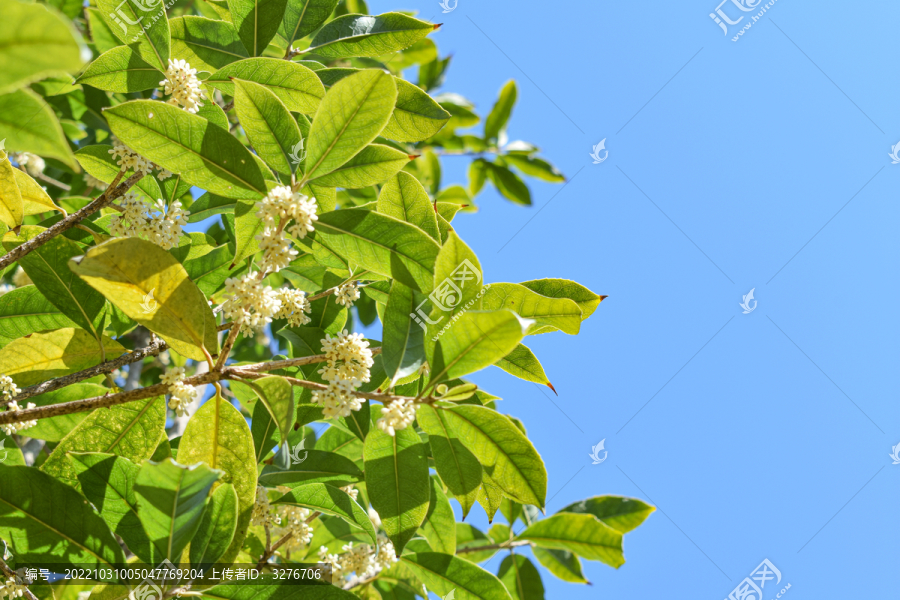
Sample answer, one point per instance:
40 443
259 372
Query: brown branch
312 385
226 348
64 187
108 367
291 362
111 193
7 572
270 552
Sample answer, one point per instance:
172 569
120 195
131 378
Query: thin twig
7 572
111 193
54 182
226 348
502 546
270 552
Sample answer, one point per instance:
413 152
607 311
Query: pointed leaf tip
413 156
437 26
550 385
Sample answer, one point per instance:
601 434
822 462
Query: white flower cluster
364 560
182 395
93 182
182 83
11 589
294 306
348 360
129 160
161 225
347 293
277 209
33 163
9 390
251 305
396 416
262 513
293 521
351 491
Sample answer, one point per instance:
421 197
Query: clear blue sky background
762 164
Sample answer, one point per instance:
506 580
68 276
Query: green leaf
277 395
499 116
204 154
208 205
268 124
397 482
130 430
218 436
563 288
256 22
205 44
171 500
12 454
467 537
490 496
107 481
365 35
439 527
458 467
296 85
302 17
380 244
97 161
319 467
352 114
582 534
121 70
404 198
561 563
54 429
12 210
417 115
457 277
48 267
331 501
35 199
150 286
620 513
508 184
505 454
216 528
37 43
522 363
264 430
101 34
374 164
558 313
443 573
267 588
149 32
246 227
46 520
474 340
28 124
404 345
43 356
213 113
521 578
536 167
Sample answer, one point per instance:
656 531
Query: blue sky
763 164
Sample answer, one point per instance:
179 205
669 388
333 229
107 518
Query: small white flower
251 305
182 84
129 160
162 225
93 182
262 512
182 395
11 428
294 306
396 416
33 163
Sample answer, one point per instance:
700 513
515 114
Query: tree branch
7 572
503 546
111 193
108 367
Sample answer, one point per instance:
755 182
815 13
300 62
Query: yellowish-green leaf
150 286
147 30
296 85
268 124
417 115
122 69
368 35
404 198
374 164
35 199
582 534
11 207
256 22
219 436
43 356
559 313
28 124
205 44
444 573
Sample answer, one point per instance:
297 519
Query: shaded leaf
28 124
582 534
268 124
52 354
256 22
374 164
443 573
331 501
294 84
365 35
121 70
216 528
207 45
134 26
620 513
404 198
319 467
521 578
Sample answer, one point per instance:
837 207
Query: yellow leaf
11 212
150 286
35 199
42 356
